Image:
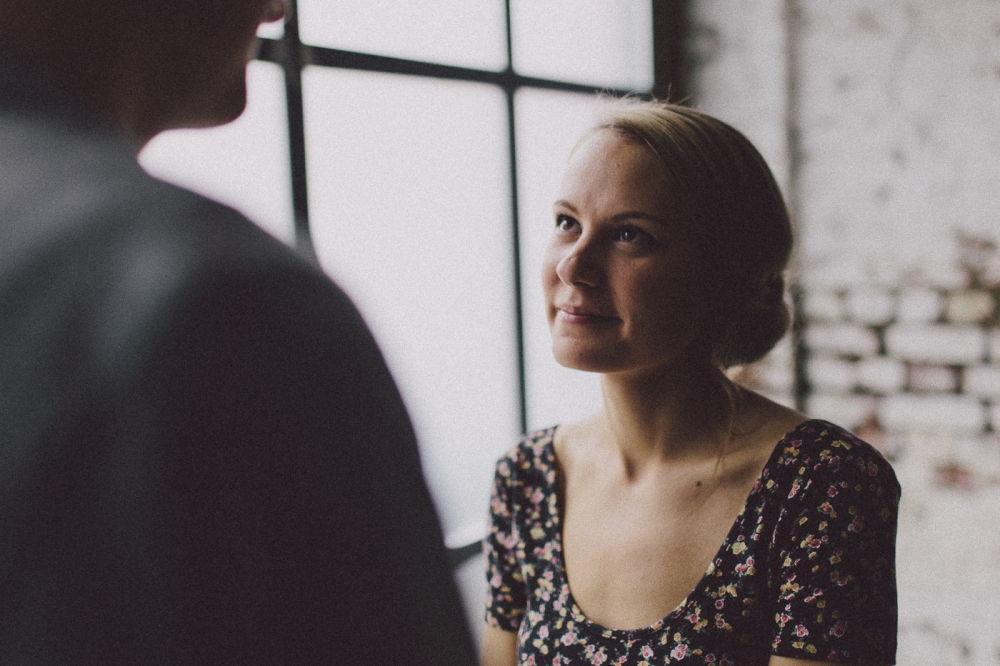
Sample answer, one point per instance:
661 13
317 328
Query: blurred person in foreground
690 520
203 458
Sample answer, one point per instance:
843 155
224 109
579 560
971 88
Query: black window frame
292 55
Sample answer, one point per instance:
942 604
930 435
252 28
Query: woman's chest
720 616
723 620
631 558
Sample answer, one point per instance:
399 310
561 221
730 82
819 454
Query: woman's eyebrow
619 217
638 214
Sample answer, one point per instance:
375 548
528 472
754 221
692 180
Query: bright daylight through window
404 113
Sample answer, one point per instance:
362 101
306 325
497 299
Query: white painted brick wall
994 416
842 339
849 411
900 127
919 305
881 374
823 306
898 117
993 343
870 304
969 307
737 52
933 413
832 375
932 378
936 343
983 381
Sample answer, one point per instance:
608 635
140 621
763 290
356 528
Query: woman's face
620 273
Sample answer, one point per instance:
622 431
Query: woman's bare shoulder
573 439
764 422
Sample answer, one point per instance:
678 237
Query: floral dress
807 569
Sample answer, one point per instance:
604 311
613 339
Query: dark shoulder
73 187
205 234
148 265
817 452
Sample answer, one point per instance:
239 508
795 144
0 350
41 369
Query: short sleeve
833 568
506 597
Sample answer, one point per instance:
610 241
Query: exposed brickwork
891 131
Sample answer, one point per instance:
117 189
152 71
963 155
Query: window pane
548 126
470 33
274 30
409 202
601 42
243 164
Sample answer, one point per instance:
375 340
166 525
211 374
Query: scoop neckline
560 566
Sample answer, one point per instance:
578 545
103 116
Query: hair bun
754 325
739 223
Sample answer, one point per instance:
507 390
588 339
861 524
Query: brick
935 343
942 275
982 380
842 339
849 411
918 305
925 378
937 414
888 444
994 346
870 305
825 306
831 375
881 374
980 453
833 276
991 271
969 306
994 415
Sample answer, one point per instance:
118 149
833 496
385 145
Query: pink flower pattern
807 570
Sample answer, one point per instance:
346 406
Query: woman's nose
579 266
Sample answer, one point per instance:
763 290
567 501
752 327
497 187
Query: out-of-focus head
147 65
738 221
201 49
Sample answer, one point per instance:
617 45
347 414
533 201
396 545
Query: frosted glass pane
243 164
410 209
470 33
273 30
548 126
607 43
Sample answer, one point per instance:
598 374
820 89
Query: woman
665 268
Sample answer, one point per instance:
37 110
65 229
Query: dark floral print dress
807 569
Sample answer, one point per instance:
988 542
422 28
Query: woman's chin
576 357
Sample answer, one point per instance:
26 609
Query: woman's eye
633 235
565 223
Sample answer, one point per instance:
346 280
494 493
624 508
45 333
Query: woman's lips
583 316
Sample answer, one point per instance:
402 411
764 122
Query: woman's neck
682 412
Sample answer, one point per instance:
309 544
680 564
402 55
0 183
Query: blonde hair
738 221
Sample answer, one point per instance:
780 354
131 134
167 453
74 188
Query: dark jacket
203 458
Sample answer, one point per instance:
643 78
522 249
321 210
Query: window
415 149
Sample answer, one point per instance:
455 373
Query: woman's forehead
608 164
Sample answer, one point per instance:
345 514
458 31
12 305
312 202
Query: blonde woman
691 520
